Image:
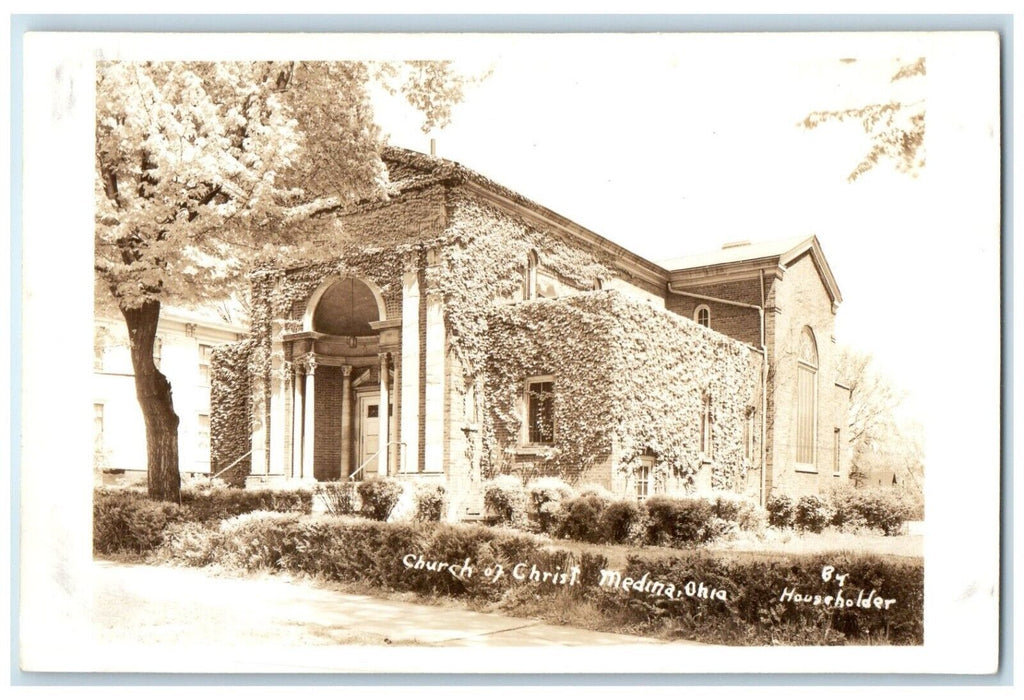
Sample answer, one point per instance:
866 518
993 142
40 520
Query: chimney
433 147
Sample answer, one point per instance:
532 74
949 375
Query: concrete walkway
214 623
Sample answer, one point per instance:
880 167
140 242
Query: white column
395 451
259 434
411 369
278 385
309 415
297 394
433 436
346 421
382 412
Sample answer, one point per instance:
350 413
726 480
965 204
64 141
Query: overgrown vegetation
429 559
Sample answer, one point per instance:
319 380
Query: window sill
806 469
534 449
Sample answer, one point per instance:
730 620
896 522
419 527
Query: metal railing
231 465
401 459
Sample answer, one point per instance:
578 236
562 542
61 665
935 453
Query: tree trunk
154 394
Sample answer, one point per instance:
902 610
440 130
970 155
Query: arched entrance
344 379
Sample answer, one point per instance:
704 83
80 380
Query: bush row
595 515
844 508
126 521
428 558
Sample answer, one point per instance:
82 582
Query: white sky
670 145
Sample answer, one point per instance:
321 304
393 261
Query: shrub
812 513
580 519
546 496
380 496
338 497
624 522
214 503
878 509
430 501
780 510
681 522
595 490
506 498
746 514
193 544
127 521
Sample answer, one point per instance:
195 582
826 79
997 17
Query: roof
412 170
738 252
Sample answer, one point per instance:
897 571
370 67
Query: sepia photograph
605 353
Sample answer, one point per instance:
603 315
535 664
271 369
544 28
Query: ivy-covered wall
628 379
231 410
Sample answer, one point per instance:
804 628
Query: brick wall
327 436
734 321
803 301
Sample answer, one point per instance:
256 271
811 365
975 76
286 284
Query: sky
673 145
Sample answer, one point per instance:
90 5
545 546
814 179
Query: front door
369 434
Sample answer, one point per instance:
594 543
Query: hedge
406 556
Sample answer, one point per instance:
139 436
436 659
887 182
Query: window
540 410
205 351
530 287
702 315
643 481
707 423
748 435
807 400
97 426
158 351
203 435
836 448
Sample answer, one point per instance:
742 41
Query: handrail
352 476
231 465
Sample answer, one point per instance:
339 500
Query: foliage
230 411
202 166
394 557
215 504
780 510
380 496
682 522
505 497
879 509
580 519
338 497
546 496
895 128
431 499
625 522
127 521
747 514
606 351
812 513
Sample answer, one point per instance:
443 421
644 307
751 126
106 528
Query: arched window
702 315
530 286
806 400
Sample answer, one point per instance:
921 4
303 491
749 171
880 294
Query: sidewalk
204 621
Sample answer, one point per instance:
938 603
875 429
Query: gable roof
736 260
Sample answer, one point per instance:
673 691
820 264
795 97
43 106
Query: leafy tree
200 167
876 437
895 128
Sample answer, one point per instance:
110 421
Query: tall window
748 435
702 315
532 263
836 447
707 424
540 410
158 351
205 351
97 426
203 435
643 481
806 400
